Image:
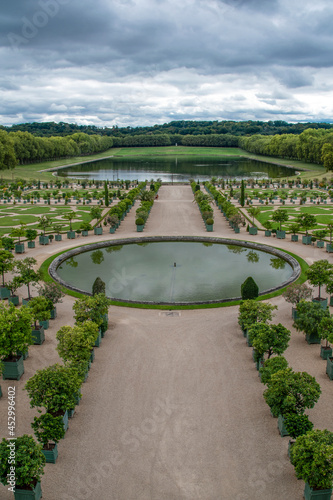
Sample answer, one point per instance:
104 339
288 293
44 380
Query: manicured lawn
323 215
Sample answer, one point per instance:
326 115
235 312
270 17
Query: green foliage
6 263
297 292
210 221
251 311
91 308
249 289
7 243
85 226
51 291
15 330
271 366
242 194
269 339
76 342
27 275
95 213
254 211
309 316
306 221
44 222
39 308
53 388
98 286
139 221
31 234
320 273
294 228
69 216
48 428
29 461
297 424
291 392
325 329
280 216
312 457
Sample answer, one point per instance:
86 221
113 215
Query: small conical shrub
249 289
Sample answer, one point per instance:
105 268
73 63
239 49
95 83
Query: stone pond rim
152 239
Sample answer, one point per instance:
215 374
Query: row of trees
23 147
315 146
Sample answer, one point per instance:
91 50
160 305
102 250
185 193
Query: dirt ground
173 407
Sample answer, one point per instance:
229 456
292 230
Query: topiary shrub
98 286
249 289
139 221
297 425
210 221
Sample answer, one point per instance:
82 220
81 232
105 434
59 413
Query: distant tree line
181 127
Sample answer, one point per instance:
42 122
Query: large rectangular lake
175 169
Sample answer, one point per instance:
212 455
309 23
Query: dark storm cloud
144 61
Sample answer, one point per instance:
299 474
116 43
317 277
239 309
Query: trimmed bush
249 289
210 221
139 221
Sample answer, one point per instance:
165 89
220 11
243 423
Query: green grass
47 278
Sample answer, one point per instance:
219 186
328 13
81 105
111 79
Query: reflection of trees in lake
277 263
252 256
236 248
207 244
113 248
97 257
71 262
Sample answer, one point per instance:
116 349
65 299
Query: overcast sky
146 62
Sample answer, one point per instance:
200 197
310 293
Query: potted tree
53 292
268 228
27 275
85 228
254 212
92 308
270 366
57 228
40 311
75 343
96 213
251 311
44 222
209 224
294 229
31 235
15 336
113 220
295 293
320 235
312 455
296 425
13 286
29 467
309 316
268 339
280 216
325 331
70 216
7 243
6 264
19 232
320 273
48 431
139 224
306 221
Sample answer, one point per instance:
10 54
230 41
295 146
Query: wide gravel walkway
172 408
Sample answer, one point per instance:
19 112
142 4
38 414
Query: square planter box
44 240
294 237
53 313
19 248
38 336
58 237
283 431
112 230
13 370
4 292
310 494
306 240
51 455
280 235
31 244
325 352
313 339
70 235
294 313
98 230
45 324
268 233
99 339
329 367
209 227
322 302
139 228
237 230
65 420
253 230
329 248
320 244
85 233
35 494
14 299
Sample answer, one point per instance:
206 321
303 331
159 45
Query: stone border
150 239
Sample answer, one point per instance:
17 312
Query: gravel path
173 408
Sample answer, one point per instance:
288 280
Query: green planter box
65 420
4 292
58 237
14 299
253 230
19 248
25 354
99 339
209 227
112 230
13 370
329 248
294 237
268 233
237 230
282 429
98 230
280 235
45 324
31 244
51 455
248 341
38 336
139 228
320 244
329 368
85 233
313 339
92 356
306 240
310 494
325 352
294 313
322 302
35 494
53 313
44 240
70 235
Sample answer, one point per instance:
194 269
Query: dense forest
181 128
313 144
